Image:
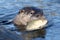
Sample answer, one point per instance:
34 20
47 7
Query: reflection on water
51 8
34 34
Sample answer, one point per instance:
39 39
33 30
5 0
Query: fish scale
36 24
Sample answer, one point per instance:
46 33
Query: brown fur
26 15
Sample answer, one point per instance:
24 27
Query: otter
26 15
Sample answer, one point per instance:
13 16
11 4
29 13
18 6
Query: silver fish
36 24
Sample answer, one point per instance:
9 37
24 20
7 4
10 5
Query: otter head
26 15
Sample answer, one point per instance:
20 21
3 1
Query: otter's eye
31 13
37 15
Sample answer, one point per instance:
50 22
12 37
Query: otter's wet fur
26 15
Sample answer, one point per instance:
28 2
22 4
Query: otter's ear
21 11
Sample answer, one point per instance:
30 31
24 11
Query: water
51 8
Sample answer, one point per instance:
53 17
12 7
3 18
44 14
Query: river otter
26 15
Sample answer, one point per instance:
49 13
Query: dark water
51 8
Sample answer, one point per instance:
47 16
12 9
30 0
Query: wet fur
21 27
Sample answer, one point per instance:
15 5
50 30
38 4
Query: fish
36 24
